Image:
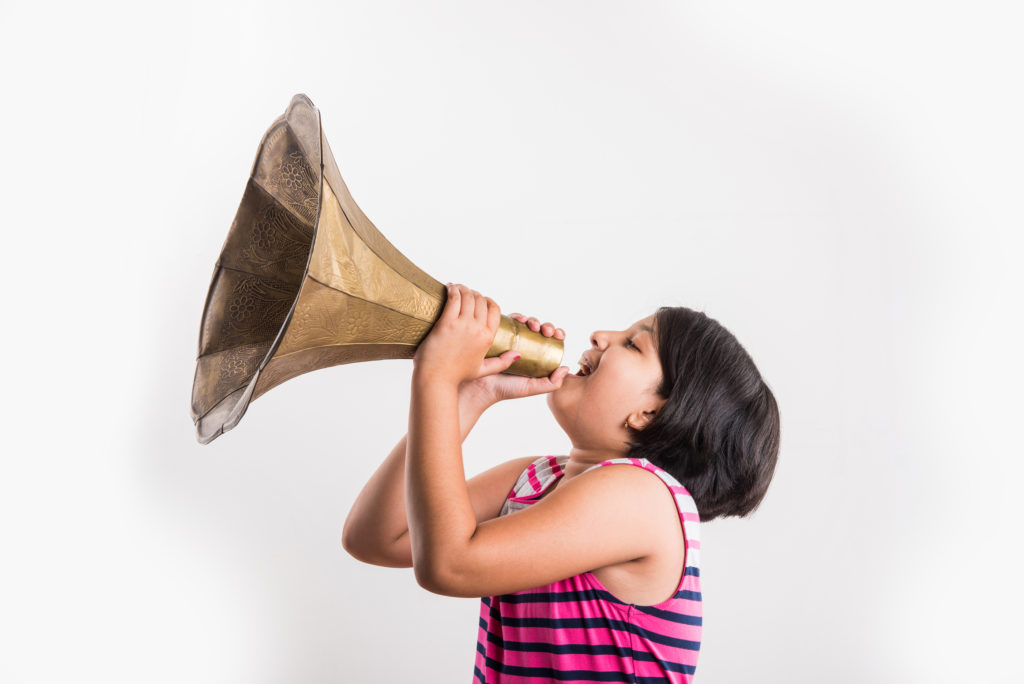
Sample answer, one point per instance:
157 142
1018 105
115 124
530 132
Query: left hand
454 349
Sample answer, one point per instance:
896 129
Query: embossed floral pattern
242 307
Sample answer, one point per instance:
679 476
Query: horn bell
305 281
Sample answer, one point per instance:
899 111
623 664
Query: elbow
350 540
442 578
357 545
366 548
430 579
350 543
426 577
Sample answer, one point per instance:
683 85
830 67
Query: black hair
718 431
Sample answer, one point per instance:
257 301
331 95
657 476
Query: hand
453 351
455 347
490 388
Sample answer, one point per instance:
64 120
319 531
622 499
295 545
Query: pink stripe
601 609
669 628
691 517
582 661
531 474
567 610
555 468
529 498
693 543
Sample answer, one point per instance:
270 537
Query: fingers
454 305
534 324
471 304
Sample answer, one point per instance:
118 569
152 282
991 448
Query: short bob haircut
718 431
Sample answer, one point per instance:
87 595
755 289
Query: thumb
497 364
548 384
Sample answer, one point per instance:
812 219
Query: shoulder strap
685 506
537 477
533 482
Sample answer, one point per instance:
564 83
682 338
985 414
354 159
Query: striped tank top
575 630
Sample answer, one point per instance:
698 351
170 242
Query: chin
559 403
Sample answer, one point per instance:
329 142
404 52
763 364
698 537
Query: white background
838 183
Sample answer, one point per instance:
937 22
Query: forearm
377 519
439 511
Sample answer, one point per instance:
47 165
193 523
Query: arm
376 530
596 520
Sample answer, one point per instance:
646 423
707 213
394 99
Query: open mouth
584 370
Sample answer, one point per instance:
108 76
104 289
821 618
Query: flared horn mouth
260 270
306 281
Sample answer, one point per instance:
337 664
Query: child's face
622 386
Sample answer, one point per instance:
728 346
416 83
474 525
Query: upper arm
487 494
600 518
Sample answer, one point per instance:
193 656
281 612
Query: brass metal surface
305 281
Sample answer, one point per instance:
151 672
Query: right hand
500 386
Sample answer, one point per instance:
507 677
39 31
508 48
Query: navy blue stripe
477 674
593 595
560 649
690 670
585 649
592 623
559 675
681 618
561 597
667 640
581 595
495 614
693 570
665 664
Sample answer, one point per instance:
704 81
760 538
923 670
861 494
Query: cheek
600 402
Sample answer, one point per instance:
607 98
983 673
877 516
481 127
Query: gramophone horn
305 281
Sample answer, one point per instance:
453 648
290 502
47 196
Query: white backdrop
839 184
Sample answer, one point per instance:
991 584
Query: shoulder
634 485
632 471
622 482
658 478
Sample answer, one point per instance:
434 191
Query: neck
582 458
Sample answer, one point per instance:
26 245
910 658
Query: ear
641 418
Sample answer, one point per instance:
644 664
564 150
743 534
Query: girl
587 572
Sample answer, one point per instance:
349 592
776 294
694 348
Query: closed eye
629 342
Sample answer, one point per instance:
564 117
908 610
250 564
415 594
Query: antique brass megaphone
305 281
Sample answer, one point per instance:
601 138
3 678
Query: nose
599 339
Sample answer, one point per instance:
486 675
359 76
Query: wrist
432 379
471 407
476 397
